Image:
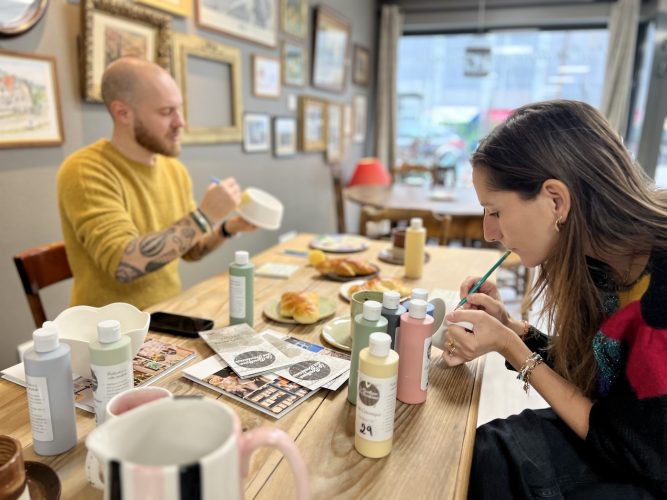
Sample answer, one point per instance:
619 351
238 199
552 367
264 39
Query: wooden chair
38 268
402 172
437 227
339 199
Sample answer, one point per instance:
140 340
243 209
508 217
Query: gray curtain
620 60
391 26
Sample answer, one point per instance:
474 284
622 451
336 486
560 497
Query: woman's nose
491 230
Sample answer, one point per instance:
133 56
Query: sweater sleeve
91 198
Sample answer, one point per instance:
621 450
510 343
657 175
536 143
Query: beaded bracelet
527 369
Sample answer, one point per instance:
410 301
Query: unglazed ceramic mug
13 483
182 447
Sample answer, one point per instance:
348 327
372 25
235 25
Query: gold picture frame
113 29
181 8
312 124
204 50
30 112
331 50
294 18
361 65
241 19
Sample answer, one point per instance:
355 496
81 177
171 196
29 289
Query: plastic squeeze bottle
110 364
241 294
414 350
415 239
369 321
376 397
48 370
422 294
392 310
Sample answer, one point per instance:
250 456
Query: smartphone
187 326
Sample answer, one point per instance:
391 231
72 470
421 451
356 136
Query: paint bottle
48 370
392 310
241 294
110 364
369 321
415 239
376 397
414 351
421 294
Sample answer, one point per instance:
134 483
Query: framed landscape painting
114 29
334 151
359 105
361 67
284 136
312 123
265 76
256 133
294 64
331 50
294 17
252 20
29 101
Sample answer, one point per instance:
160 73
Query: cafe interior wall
27 176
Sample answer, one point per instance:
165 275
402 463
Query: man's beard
152 143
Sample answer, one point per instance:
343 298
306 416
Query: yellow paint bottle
376 397
415 239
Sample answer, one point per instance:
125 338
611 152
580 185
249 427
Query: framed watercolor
294 64
252 20
256 133
284 136
18 16
359 105
361 66
294 18
331 50
334 151
312 124
114 29
29 101
181 8
204 67
265 76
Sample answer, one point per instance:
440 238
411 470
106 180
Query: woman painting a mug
561 191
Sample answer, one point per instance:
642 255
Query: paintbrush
483 278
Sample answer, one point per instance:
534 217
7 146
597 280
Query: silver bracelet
528 366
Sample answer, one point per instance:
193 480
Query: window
442 113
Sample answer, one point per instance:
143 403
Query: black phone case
156 326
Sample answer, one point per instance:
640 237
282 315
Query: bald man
126 204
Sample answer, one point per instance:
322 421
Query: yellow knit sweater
105 201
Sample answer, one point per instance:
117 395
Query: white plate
344 290
337 333
442 196
272 310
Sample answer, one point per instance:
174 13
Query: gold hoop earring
558 223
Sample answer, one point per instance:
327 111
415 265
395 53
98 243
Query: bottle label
237 297
39 408
376 403
426 362
107 382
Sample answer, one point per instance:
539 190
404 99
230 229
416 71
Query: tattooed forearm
155 264
127 273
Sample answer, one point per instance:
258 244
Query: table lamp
370 171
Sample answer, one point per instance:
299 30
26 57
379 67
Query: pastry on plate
346 266
304 307
381 285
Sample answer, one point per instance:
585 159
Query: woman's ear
559 194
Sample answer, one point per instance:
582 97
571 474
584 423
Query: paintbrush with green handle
483 279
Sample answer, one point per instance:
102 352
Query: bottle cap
108 331
416 223
45 339
419 293
372 310
241 257
391 299
379 344
418 308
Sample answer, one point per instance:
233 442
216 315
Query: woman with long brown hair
560 190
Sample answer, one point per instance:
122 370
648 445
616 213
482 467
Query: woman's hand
487 298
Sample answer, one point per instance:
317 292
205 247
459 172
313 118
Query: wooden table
432 442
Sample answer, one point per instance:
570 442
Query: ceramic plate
43 482
337 333
344 290
339 243
387 256
442 196
272 311
338 277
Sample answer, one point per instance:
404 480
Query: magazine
154 360
269 393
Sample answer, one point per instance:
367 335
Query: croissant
287 302
304 307
345 267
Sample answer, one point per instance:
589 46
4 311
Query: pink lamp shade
370 171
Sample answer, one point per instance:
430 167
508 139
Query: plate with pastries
304 308
346 268
375 284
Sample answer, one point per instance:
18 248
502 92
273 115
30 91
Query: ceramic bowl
77 327
261 209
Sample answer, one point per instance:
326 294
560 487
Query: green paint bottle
241 293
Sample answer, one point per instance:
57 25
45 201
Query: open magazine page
244 350
154 360
267 392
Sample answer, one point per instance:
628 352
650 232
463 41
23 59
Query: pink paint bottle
414 353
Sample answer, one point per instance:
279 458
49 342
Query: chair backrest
39 267
339 200
437 226
406 170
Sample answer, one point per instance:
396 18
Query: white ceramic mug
183 448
